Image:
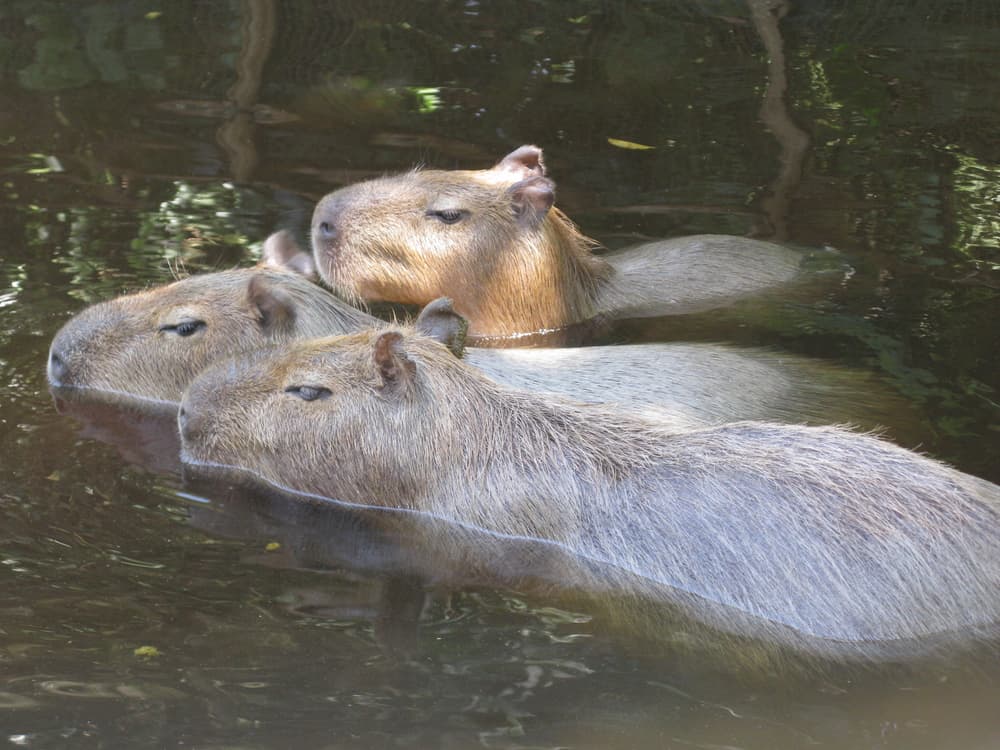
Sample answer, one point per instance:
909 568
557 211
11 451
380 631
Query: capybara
812 536
152 343
513 263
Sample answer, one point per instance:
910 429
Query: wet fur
818 538
516 264
117 346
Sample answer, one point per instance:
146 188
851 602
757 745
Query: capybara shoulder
812 536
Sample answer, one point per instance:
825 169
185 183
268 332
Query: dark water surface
138 609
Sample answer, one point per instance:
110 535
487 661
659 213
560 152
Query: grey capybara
814 537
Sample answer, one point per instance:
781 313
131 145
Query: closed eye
308 392
185 328
448 215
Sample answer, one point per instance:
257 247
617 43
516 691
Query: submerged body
818 538
492 240
150 345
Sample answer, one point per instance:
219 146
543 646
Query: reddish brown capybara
816 537
151 344
513 263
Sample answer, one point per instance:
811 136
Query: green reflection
77 46
103 252
47 164
428 99
976 196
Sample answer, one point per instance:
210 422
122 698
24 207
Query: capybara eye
185 328
308 392
449 215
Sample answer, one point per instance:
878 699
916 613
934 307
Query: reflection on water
142 610
416 613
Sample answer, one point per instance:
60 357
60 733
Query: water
140 610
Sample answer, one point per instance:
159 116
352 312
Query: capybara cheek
193 414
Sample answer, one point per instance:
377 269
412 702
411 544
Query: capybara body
151 345
812 536
492 240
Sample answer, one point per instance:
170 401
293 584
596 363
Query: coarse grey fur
122 346
693 274
698 384
826 540
492 240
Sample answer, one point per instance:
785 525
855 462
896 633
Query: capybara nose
57 370
326 231
188 423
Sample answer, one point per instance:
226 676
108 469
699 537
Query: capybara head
382 399
482 237
151 344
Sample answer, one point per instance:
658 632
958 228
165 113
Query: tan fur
513 268
117 346
817 538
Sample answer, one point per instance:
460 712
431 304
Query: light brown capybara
513 263
150 345
816 537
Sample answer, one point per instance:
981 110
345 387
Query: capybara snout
76 354
57 370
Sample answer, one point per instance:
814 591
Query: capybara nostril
57 370
182 418
326 231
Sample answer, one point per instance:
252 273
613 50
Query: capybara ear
283 252
275 310
391 362
439 320
532 199
523 162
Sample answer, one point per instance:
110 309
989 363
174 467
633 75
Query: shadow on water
141 609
